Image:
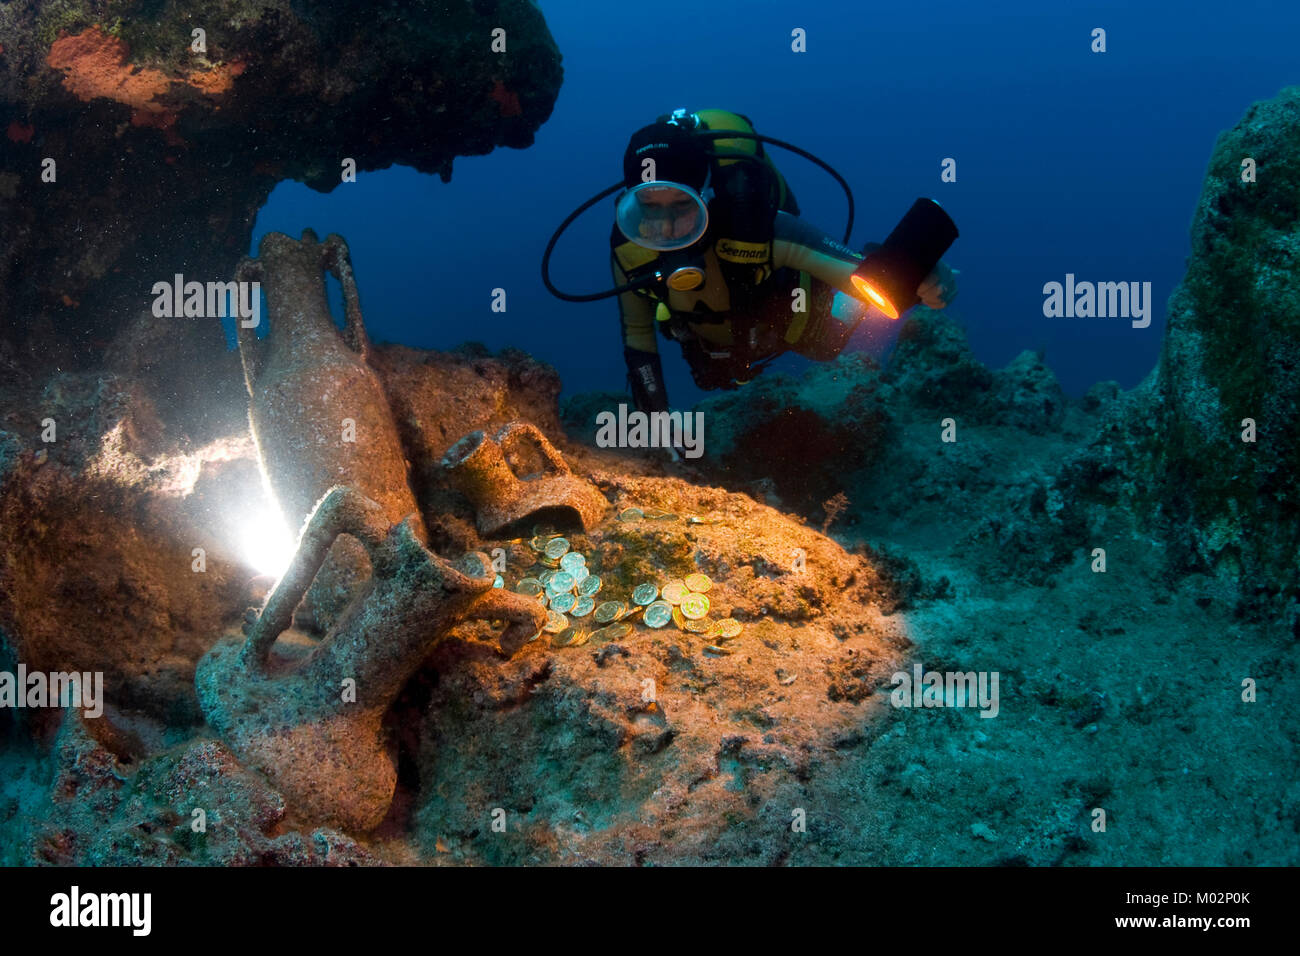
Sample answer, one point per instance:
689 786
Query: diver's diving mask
661 215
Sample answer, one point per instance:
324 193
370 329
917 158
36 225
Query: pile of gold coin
562 583
685 602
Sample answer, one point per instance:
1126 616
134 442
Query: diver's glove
645 377
939 287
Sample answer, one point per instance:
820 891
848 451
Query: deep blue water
1067 161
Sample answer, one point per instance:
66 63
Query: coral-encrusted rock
654 748
579 413
1026 395
97 536
193 805
806 437
439 396
164 154
933 367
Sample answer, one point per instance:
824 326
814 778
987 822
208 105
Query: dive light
889 275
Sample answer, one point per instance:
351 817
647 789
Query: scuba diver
707 248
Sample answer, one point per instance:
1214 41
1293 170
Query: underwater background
1067 162
319 573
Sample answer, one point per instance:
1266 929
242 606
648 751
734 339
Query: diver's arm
645 373
800 245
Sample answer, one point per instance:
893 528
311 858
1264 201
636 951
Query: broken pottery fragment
486 471
312 724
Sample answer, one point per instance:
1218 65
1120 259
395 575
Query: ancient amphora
318 412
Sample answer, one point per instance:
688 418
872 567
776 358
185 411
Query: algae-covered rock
99 528
1026 395
805 437
189 805
578 413
1204 452
1232 357
932 365
170 123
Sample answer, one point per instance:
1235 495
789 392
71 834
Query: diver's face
667 214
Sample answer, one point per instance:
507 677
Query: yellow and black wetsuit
756 253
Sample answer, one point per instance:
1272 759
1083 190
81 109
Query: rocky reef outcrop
1205 450
853 439
141 138
114 556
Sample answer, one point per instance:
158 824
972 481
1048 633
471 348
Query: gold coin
658 614
530 586
644 593
678 619
715 649
582 637
610 611
556 548
698 582
698 627
674 591
538 543
617 631
560 582
555 622
728 628
695 606
631 514
654 514
565 637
